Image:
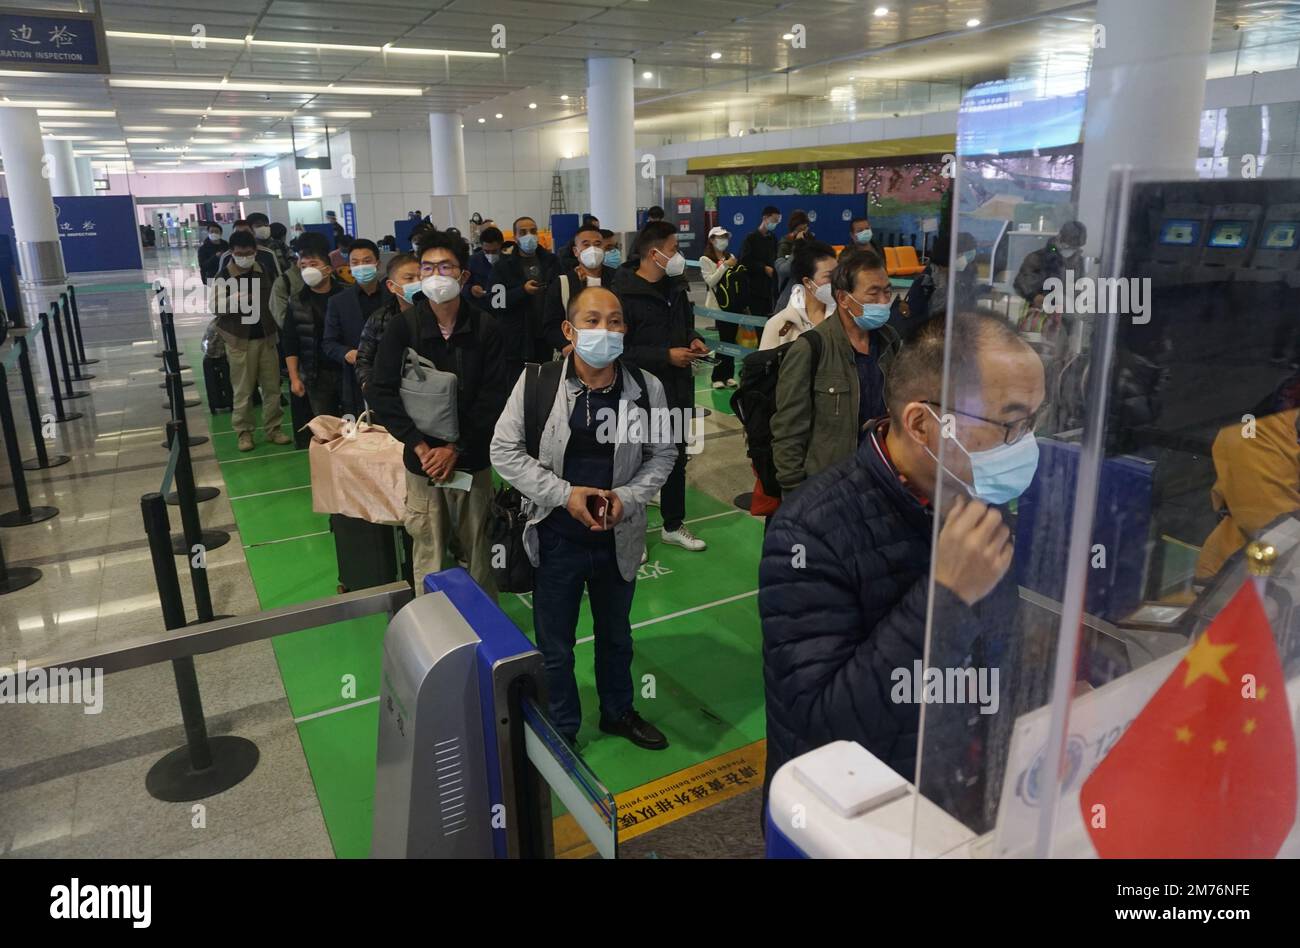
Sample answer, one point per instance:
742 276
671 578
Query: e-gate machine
467 760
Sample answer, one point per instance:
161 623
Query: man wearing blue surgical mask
586 483
346 316
402 280
522 277
862 237
885 595
831 385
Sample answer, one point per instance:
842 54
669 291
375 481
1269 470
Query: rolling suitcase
366 553
216 376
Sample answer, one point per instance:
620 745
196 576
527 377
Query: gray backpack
430 395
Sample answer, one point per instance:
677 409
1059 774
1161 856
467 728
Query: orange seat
908 263
891 261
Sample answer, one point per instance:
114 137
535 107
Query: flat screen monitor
1282 235
1229 235
1179 233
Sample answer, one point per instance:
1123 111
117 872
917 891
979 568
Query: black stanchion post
171 354
63 309
176 402
14 578
68 393
25 513
43 459
76 321
183 543
204 766
52 370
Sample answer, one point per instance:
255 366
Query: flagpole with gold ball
1261 556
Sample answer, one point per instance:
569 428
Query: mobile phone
598 507
711 358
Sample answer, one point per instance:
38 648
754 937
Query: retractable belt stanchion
54 320
205 765
14 578
178 404
160 296
26 513
171 345
43 459
52 370
187 499
172 352
71 297
61 308
176 401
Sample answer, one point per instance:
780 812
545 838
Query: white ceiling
852 63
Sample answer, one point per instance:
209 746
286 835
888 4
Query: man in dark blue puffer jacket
844 584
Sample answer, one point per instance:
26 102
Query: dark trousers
672 496
564 568
726 367
323 392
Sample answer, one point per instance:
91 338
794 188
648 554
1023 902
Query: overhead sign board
52 41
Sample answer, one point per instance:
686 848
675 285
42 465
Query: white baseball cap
719 232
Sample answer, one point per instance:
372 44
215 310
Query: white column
611 145
62 168
86 177
450 185
1145 95
40 257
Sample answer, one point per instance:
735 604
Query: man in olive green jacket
820 413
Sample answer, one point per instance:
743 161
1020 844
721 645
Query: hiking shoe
246 441
637 730
683 538
278 437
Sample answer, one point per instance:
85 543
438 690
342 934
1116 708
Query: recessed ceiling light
564 98
715 55
532 105
499 115
482 120
972 22
647 75
787 36
881 11
851 78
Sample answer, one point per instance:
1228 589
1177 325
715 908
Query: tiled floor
73 784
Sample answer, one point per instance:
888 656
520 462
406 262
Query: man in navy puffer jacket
844 584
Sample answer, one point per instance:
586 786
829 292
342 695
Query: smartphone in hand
598 507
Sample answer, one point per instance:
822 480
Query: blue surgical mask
613 258
874 315
1000 474
410 289
365 273
527 242
964 261
598 347
863 236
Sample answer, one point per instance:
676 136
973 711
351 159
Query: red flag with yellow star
1208 768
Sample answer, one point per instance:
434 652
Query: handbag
511 568
430 395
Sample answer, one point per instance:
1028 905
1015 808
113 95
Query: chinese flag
1207 770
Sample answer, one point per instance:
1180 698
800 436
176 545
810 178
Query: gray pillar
85 177
62 166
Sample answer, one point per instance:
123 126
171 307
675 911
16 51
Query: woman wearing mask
714 265
811 298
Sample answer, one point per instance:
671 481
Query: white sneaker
683 538
732 383
718 385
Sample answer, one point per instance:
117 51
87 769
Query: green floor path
694 617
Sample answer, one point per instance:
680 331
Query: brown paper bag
356 470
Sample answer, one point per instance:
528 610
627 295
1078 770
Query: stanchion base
173 781
703 412
212 540
217 618
86 361
189 403
195 441
20 577
160 355
81 378
67 397
744 501
200 495
15 518
54 460
72 416
183 368
184 384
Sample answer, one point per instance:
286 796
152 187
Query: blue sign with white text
51 41
350 218
97 233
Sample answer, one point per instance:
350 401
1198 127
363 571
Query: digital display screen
1179 233
1229 235
1282 236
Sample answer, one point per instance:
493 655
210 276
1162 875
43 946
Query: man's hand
697 345
577 506
351 357
477 290
769 271
615 508
681 357
296 386
437 463
532 287
974 550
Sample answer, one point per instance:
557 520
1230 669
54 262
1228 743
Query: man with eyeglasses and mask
459 338
524 274
844 616
832 381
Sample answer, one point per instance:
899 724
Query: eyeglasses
1012 431
443 269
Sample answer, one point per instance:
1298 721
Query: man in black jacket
515 293
210 252
311 373
460 339
758 256
661 339
346 316
844 583
588 269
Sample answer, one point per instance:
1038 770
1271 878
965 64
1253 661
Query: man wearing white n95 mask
586 483
588 269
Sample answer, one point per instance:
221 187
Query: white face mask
491 257
592 257
825 295
262 233
312 276
439 288
722 244
242 262
675 265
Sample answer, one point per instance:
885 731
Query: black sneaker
637 730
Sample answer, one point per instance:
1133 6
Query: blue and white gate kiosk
467 760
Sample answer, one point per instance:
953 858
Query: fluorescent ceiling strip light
294 44
210 85
34 104
76 113
233 113
413 51
148 128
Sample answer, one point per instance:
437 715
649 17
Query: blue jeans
564 568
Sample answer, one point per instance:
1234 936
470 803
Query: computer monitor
1281 235
1180 233
1229 235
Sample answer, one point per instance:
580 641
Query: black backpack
732 291
507 520
754 403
